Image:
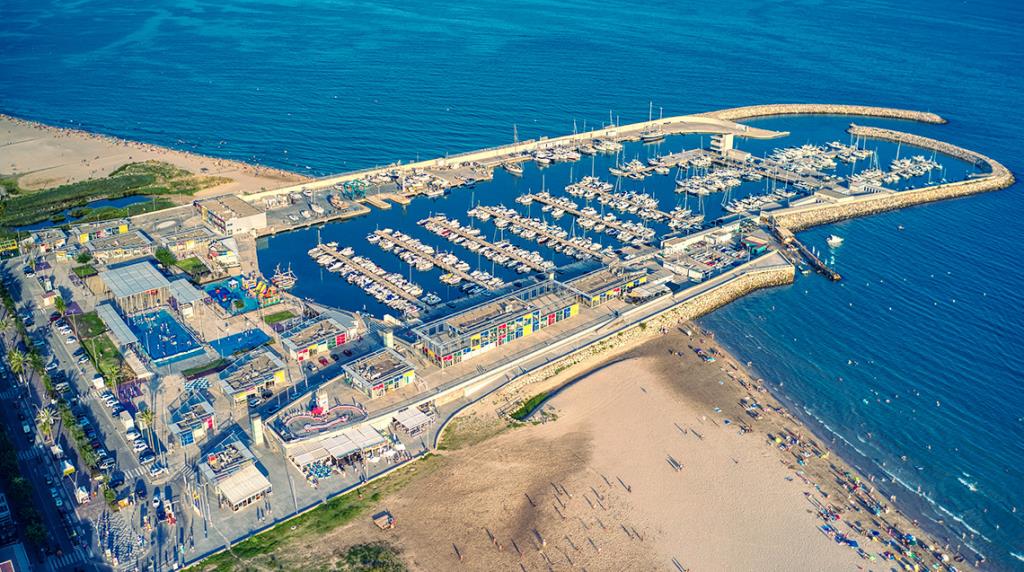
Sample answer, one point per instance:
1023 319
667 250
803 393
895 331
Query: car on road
156 498
255 401
26 427
116 480
157 469
348 353
54 492
146 457
140 489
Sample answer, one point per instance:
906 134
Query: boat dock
378 202
787 238
379 280
353 210
551 238
396 198
442 222
433 258
572 208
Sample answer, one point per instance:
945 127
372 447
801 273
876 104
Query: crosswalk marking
55 563
28 454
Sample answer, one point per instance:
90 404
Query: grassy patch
529 405
277 317
84 271
214 365
106 213
469 430
372 557
285 540
147 178
88 325
193 266
105 357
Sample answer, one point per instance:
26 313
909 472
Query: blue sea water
319 86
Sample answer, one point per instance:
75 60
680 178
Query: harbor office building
605 284
316 336
379 372
229 214
448 341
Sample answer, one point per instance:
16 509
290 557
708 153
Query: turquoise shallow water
321 86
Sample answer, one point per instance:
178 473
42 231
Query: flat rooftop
250 369
313 330
382 364
498 311
602 280
131 239
186 234
225 459
133 279
229 206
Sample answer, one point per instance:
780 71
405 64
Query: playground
241 294
162 338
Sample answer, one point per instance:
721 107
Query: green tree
83 258
60 305
165 256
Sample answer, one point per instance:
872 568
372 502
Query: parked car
146 456
139 446
106 463
133 435
323 361
82 359
157 469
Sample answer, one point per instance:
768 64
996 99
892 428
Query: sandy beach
42 156
646 461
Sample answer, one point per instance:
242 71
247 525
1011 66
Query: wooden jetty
464 233
433 259
333 252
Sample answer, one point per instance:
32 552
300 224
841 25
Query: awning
122 333
244 485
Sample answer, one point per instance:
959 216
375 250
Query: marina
559 240
627 232
391 290
502 252
457 270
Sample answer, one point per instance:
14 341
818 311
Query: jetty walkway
363 270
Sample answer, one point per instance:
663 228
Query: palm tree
146 417
16 359
36 362
60 305
45 420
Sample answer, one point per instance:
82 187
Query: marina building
135 287
316 336
229 214
604 284
230 469
251 374
87 232
49 240
448 341
380 372
188 241
124 246
192 418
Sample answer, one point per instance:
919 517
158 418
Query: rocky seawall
798 218
752 111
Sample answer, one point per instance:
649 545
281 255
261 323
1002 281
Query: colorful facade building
252 374
382 371
490 325
192 418
316 337
85 233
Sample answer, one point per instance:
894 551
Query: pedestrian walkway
71 560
